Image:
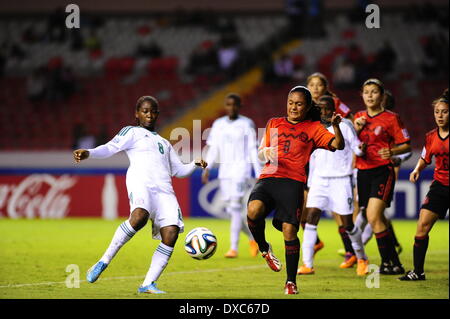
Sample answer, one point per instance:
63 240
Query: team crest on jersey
377 130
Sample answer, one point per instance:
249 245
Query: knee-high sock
367 234
122 235
292 254
257 228
303 224
357 244
234 208
346 240
160 260
309 239
419 252
361 221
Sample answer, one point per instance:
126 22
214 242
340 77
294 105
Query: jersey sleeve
426 151
399 131
253 148
178 168
121 142
323 138
265 142
212 137
351 138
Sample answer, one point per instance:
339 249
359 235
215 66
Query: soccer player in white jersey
232 144
331 189
153 162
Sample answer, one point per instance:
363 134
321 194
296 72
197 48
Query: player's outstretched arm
80 154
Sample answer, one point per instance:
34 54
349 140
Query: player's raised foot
150 289
349 261
398 270
231 254
253 248
318 246
412 276
341 252
303 270
290 288
273 262
94 272
363 267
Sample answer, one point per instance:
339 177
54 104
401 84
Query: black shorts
284 195
437 199
376 182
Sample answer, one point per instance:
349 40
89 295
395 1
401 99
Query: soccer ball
200 243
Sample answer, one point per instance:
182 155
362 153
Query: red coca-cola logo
37 195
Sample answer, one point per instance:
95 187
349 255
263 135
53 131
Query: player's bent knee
138 218
255 209
169 235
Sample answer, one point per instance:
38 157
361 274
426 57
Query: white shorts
232 188
332 194
162 207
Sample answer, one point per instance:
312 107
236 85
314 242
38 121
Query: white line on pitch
136 277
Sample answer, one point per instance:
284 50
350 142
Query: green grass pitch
34 255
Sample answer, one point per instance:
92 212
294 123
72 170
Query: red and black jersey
295 143
381 131
341 108
437 146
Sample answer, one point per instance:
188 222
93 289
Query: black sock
419 252
391 229
383 241
292 253
346 240
257 228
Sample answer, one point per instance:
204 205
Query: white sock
159 262
122 235
309 239
357 244
367 234
234 209
361 221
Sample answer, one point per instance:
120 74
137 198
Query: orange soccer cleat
363 267
231 254
349 261
318 246
303 270
253 248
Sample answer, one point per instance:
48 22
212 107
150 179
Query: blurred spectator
345 75
315 19
56 25
385 60
203 61
149 48
283 69
81 138
92 42
296 12
36 85
228 55
435 47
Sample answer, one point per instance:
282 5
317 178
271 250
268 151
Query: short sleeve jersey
437 146
294 143
381 131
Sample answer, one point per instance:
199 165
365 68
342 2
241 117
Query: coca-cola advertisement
44 195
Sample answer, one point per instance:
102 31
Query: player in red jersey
384 136
317 83
286 148
435 205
